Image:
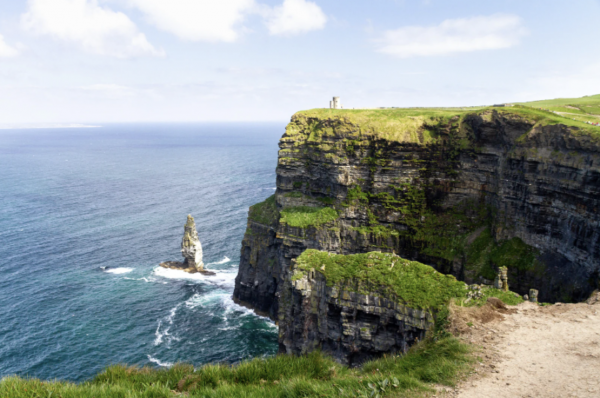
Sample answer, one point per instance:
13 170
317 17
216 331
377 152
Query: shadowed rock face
191 249
492 190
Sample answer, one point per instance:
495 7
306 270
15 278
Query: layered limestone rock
257 284
365 313
191 250
465 192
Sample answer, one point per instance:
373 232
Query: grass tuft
303 216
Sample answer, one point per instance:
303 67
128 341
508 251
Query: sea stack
191 250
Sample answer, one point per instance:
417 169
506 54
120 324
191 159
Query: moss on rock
304 216
414 284
265 213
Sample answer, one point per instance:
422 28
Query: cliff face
357 307
463 192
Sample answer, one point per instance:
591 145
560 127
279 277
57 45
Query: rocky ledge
358 307
191 250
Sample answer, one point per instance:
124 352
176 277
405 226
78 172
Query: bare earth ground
533 351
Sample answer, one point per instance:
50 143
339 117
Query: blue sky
94 61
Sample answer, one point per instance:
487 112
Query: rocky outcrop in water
191 250
467 193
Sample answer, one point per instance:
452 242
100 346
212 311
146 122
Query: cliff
464 191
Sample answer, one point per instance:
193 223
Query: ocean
86 216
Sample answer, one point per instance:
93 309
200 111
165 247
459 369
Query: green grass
581 109
303 216
265 212
508 298
592 100
414 284
545 118
439 360
401 124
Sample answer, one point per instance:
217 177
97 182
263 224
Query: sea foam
119 271
223 261
159 362
220 278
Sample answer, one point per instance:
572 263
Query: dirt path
578 114
548 352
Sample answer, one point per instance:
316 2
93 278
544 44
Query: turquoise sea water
73 201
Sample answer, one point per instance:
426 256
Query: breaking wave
225 279
119 271
223 261
159 362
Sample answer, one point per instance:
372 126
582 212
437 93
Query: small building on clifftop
335 103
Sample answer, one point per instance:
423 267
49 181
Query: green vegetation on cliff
440 361
485 255
582 109
304 216
413 284
423 125
411 125
265 212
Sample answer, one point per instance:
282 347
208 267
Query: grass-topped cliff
413 284
421 125
409 283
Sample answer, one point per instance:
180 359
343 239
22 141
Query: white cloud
98 30
295 17
197 20
6 50
454 36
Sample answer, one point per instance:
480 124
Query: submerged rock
191 250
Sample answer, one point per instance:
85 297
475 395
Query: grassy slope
580 109
437 360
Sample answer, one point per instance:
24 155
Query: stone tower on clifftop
335 103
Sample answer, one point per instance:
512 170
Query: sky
102 61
